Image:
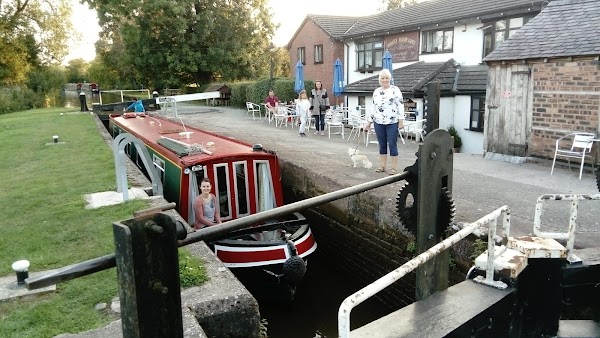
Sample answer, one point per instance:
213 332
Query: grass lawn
44 219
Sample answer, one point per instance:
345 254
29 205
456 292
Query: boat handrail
370 290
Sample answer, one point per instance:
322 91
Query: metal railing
570 234
147 91
370 290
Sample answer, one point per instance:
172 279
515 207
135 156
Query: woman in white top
387 114
302 110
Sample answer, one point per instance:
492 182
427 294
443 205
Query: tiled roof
564 28
414 77
335 26
433 12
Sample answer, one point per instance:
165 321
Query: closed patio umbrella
299 83
387 64
338 77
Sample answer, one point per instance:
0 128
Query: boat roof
183 144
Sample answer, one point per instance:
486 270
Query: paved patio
479 185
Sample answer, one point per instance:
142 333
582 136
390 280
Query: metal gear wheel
407 209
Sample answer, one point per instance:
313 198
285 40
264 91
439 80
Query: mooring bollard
55 138
22 269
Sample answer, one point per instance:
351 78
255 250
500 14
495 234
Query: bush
14 99
454 133
258 90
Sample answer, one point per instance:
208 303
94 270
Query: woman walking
387 114
302 110
319 103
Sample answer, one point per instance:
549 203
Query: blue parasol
338 77
387 64
299 83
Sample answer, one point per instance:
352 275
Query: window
497 32
222 190
477 113
369 56
265 195
302 55
440 41
241 188
318 53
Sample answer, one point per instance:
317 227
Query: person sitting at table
271 103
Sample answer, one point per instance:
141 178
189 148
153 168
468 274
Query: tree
393 4
188 41
32 33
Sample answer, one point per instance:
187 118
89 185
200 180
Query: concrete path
479 185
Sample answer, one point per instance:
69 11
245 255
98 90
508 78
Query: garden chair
579 148
252 109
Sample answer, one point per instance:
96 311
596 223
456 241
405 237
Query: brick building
544 82
317 44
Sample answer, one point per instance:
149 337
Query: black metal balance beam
208 234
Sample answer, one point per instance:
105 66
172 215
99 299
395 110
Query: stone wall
566 98
355 232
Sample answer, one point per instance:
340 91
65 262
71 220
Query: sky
287 13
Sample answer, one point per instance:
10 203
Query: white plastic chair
281 116
368 132
336 121
580 148
354 122
416 128
252 109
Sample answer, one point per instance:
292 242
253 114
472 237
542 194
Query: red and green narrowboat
246 180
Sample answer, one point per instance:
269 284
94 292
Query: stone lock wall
566 98
359 232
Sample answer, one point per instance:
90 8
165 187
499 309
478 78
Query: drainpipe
455 84
347 57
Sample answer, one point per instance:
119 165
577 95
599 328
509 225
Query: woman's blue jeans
387 136
320 121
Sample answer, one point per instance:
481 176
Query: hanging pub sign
403 47
410 109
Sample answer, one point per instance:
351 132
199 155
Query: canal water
314 311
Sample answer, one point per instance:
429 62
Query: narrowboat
246 180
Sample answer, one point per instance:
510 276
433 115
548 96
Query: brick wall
308 37
566 98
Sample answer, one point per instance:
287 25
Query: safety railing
121 92
570 234
370 290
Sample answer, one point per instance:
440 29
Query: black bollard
83 101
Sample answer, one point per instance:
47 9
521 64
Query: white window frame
270 176
218 193
235 185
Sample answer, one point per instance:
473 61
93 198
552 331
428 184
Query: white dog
359 159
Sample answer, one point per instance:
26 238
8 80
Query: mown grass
43 218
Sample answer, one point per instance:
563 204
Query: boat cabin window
159 164
265 196
222 190
241 188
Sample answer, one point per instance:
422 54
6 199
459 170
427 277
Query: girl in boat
206 208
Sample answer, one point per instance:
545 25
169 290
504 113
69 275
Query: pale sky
287 13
